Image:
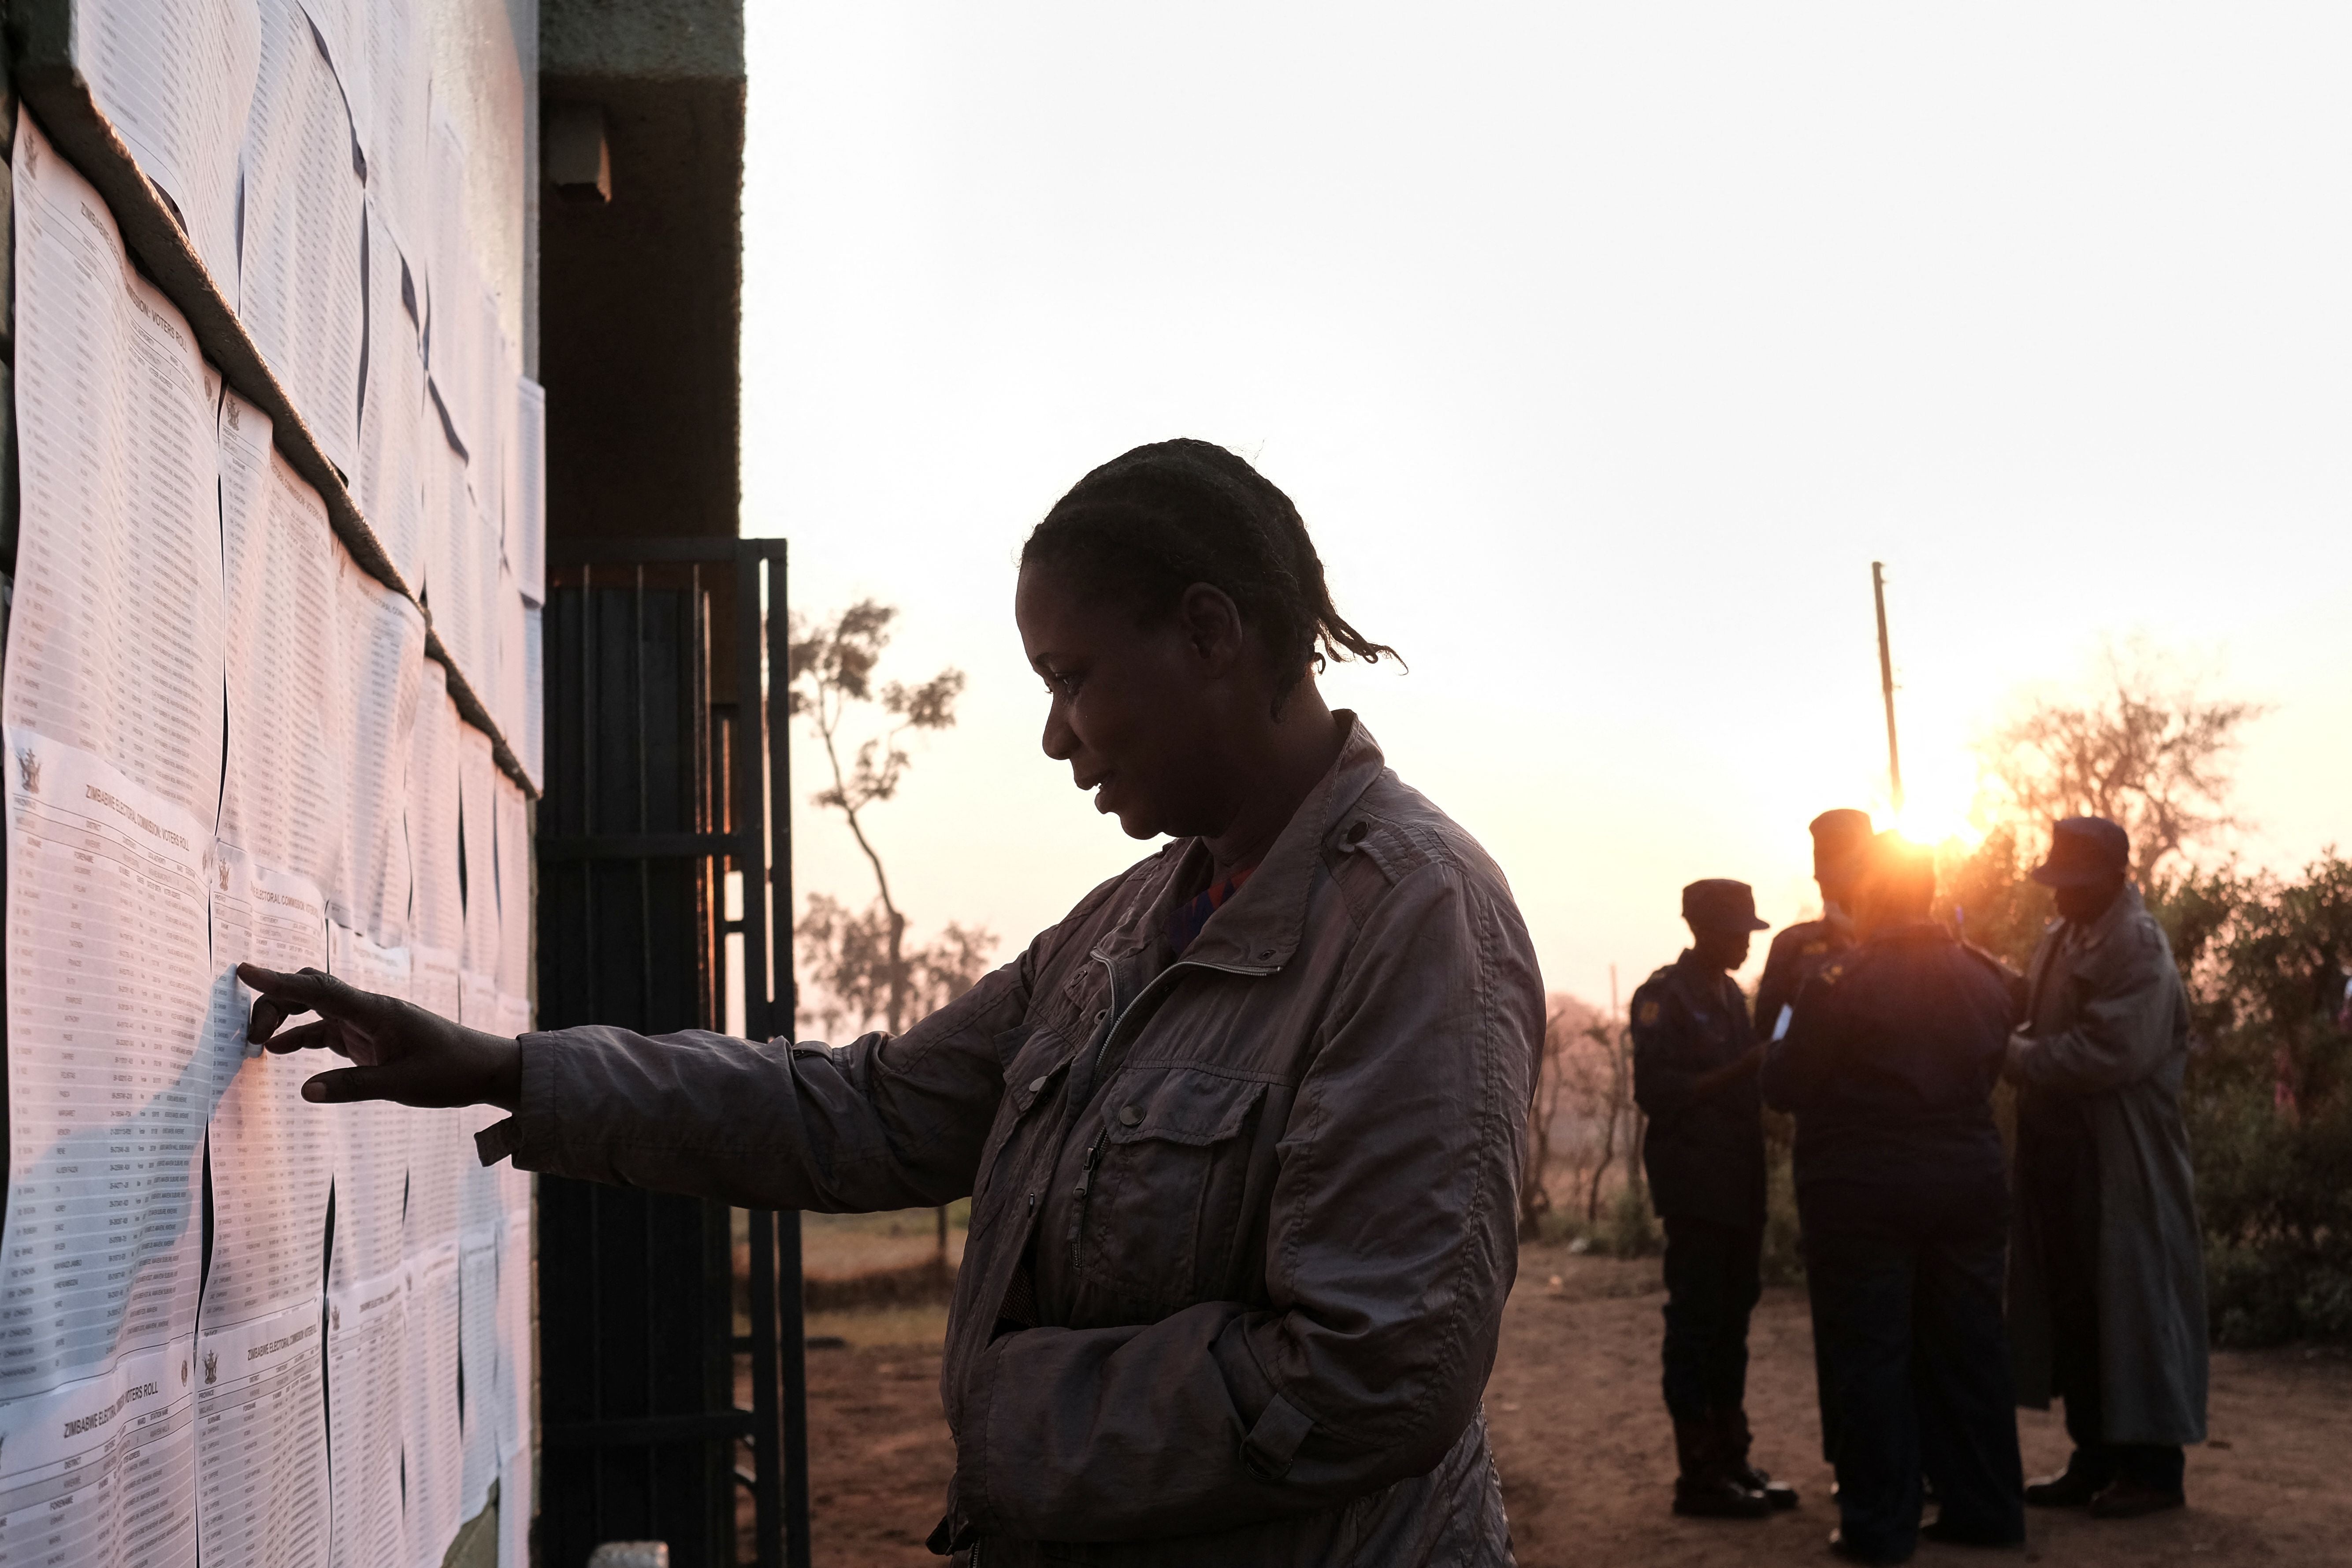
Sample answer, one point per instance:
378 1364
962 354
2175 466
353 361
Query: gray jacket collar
1260 927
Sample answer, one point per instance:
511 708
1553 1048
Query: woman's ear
1212 626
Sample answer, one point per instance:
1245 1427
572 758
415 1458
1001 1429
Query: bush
1629 1229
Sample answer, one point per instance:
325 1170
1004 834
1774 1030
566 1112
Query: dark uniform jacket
1797 954
1705 1153
1264 1194
1890 1061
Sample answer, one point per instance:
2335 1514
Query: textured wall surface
658 39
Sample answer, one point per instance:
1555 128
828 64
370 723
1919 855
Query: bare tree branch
2147 748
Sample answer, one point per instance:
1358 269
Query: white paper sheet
455 594
455 351
383 668
481 1194
436 904
119 521
368 1373
477 784
104 1470
261 1442
435 1447
108 1088
530 745
516 1268
304 222
479 1414
394 119
282 796
513 855
389 485
176 78
343 33
509 704
371 1138
526 538
517 1493
272 1152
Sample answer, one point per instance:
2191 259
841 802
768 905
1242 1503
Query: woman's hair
1151 522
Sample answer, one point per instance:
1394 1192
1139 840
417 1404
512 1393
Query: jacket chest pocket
1161 1212
1033 1085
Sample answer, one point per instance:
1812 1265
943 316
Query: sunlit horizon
1602 352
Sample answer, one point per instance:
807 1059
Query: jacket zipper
1085 1185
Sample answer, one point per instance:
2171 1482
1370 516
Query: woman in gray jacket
1242 1132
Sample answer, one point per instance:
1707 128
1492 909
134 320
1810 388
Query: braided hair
1151 522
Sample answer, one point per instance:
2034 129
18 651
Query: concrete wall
641 297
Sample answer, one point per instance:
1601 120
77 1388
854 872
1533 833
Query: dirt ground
1585 1455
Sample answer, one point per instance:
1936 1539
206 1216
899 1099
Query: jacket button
1129 1116
1035 1084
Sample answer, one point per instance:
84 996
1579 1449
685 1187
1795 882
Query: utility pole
1886 682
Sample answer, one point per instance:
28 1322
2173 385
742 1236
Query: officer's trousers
1712 1280
1906 1282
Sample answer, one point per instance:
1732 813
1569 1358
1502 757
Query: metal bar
645 1248
792 1347
588 771
661 551
634 846
791 1351
766 1429
646 1430
750 791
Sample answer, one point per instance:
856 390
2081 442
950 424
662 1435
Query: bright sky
1603 347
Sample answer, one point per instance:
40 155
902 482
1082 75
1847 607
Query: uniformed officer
1841 840
1695 1061
1889 1064
2107 1277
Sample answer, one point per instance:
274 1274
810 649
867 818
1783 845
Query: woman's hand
402 1052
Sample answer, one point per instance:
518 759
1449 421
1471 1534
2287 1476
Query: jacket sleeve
1663 1087
2122 1033
1773 990
1391 1246
888 1121
1798 1065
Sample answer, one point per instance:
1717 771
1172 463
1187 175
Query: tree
862 960
2147 747
1582 1116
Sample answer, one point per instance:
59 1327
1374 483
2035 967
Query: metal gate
670 1332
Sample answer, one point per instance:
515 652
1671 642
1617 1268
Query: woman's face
1138 709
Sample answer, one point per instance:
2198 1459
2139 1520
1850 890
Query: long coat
2109 1022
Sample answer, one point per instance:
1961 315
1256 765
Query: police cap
1718 903
2084 850
1838 837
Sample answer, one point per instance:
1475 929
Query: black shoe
2071 1487
1732 1435
1847 1551
1718 1498
2128 1498
1953 1532
1779 1496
